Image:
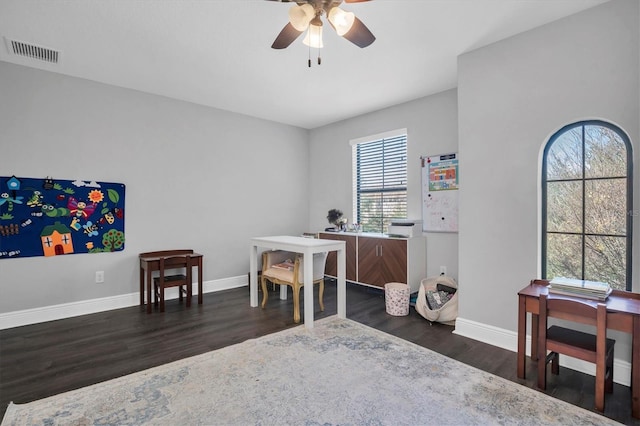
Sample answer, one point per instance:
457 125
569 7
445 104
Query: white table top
286 242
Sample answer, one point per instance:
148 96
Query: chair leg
599 393
542 371
601 372
265 293
161 299
555 363
180 289
296 304
321 295
155 295
608 385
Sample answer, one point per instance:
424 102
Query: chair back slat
580 311
176 261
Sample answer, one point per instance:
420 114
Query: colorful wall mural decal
52 217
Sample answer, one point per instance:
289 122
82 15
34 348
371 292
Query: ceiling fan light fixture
314 34
341 20
300 16
314 37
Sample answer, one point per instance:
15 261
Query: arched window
587 204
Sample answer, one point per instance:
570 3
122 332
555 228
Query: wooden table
150 261
623 314
306 246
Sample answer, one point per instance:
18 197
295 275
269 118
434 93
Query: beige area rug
339 373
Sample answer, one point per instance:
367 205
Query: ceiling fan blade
359 34
286 37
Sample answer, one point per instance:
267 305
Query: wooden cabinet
382 261
376 259
332 259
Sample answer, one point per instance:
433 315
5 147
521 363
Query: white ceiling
217 52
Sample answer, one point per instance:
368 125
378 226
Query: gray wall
512 96
431 124
195 177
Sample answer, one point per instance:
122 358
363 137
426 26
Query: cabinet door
381 261
393 254
332 259
368 268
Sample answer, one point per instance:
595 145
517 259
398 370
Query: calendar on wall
53 217
440 193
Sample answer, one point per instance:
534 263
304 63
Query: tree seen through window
587 204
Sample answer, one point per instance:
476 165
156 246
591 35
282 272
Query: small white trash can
396 299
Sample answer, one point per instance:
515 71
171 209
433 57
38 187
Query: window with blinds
380 181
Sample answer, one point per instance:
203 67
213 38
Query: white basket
447 313
396 299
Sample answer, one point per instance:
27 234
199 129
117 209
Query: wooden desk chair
588 347
164 281
293 278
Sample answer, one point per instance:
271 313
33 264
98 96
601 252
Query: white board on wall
440 193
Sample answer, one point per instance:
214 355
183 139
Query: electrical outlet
100 276
443 270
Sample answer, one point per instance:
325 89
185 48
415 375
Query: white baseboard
507 339
84 307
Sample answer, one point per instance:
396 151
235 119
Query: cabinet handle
380 251
377 250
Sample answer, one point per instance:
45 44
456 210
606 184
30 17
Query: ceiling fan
305 15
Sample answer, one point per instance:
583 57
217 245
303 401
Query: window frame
583 179
392 135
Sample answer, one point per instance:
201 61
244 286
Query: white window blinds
380 182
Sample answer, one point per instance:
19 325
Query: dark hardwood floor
40 360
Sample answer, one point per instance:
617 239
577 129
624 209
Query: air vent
32 51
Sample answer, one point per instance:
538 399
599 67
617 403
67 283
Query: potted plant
335 218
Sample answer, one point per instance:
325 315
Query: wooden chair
588 347
293 278
164 281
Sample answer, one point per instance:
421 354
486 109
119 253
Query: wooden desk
306 246
623 314
150 261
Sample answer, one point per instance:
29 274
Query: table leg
189 286
534 336
522 334
148 290
200 273
141 285
308 290
342 284
253 276
635 368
